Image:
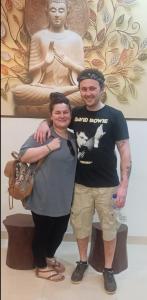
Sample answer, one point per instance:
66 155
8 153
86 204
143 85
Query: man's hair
92 74
58 98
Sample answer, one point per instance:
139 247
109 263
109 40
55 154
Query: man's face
90 92
57 14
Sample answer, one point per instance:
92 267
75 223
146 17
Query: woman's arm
34 154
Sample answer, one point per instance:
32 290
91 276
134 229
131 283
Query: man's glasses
70 146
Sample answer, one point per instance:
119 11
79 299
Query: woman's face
61 116
57 14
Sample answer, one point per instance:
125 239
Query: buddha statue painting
56 58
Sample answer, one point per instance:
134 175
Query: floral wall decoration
112 43
15 45
116 48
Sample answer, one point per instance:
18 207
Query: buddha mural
56 58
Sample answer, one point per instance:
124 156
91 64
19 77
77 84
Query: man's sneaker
109 281
79 271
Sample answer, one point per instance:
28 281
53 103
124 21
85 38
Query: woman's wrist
48 147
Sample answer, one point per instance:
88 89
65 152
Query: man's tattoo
126 171
129 170
121 143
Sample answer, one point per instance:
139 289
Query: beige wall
14 133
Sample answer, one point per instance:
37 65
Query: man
97 181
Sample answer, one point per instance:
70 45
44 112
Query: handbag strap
15 155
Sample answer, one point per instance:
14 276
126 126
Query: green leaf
112 82
23 37
120 20
132 90
136 39
124 41
101 35
24 78
4 95
88 36
6 87
93 15
121 98
100 5
15 18
113 40
18 69
138 69
142 56
6 56
144 44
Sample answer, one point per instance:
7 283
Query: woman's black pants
49 232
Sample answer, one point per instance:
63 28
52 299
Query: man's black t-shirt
97 133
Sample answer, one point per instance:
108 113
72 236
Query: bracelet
49 149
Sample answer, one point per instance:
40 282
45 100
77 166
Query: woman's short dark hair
92 74
58 98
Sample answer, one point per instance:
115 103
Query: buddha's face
57 14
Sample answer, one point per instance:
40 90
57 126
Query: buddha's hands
67 62
63 59
50 54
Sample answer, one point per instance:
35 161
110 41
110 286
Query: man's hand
98 135
42 132
121 196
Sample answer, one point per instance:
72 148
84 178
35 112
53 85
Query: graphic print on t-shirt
85 144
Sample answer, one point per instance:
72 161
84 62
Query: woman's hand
55 144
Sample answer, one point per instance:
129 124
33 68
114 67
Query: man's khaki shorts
86 201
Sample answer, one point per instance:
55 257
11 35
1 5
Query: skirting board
69 237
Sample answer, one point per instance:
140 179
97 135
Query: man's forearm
125 171
125 162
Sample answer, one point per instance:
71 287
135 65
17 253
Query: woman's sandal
56 265
49 274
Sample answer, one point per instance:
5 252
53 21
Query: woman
51 198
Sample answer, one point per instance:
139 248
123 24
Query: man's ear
103 96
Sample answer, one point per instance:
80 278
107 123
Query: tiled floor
23 285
